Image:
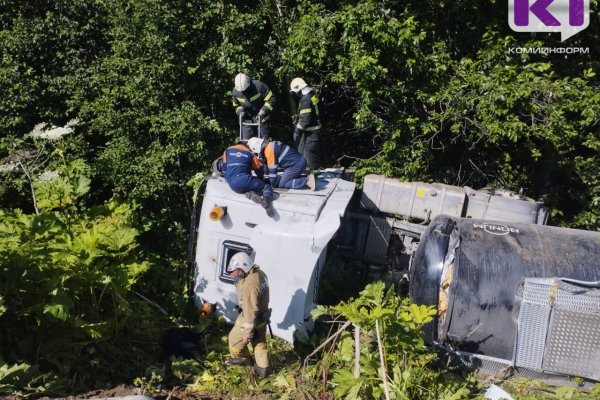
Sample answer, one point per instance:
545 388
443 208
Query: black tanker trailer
511 296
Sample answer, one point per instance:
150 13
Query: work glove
260 115
296 136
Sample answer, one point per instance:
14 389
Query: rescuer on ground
252 289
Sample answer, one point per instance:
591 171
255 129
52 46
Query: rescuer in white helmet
252 289
253 101
278 154
237 164
306 132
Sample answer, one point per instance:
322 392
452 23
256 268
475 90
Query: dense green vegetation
94 213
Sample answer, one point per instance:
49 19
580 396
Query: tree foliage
432 92
416 91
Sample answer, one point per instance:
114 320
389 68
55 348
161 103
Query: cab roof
331 191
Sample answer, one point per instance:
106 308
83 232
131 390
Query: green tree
431 92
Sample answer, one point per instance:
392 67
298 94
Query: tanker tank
523 296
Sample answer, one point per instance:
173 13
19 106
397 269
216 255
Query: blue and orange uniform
278 154
238 164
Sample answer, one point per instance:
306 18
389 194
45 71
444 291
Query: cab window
228 249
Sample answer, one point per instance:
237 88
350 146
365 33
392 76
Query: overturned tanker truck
512 294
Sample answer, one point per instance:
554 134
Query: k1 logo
565 16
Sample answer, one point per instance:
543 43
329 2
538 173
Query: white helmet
241 261
297 85
242 82
255 144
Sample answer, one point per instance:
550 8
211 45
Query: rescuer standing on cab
306 132
253 102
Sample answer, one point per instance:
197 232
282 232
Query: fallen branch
152 303
329 339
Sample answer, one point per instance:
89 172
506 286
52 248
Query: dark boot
262 372
255 197
267 204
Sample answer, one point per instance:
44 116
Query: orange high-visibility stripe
270 153
255 160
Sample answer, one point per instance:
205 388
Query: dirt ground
176 393
124 390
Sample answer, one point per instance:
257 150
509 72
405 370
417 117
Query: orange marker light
206 310
217 213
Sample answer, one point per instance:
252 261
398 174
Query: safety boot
267 204
255 197
262 372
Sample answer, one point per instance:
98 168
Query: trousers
292 177
238 349
308 146
245 182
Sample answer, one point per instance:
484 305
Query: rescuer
308 127
237 166
252 289
278 154
253 102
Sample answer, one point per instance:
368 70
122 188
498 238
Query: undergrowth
391 357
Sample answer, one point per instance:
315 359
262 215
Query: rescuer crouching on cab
237 164
252 289
278 154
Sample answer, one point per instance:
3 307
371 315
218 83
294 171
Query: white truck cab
290 247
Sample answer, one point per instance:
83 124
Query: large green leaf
59 306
